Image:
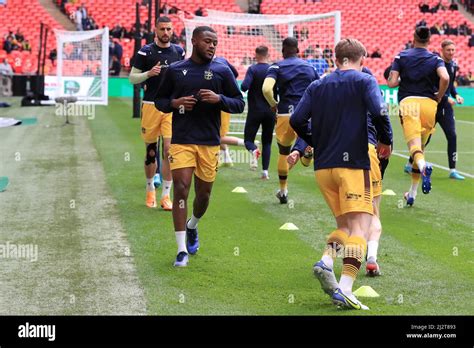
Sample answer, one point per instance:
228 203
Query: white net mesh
240 33
83 65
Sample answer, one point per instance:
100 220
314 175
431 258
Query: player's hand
155 71
208 96
451 101
184 102
383 150
274 109
459 99
293 158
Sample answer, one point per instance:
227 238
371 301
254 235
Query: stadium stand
386 25
26 15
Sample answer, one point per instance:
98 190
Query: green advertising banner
391 95
121 87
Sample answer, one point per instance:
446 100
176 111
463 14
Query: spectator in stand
116 67
327 52
6 68
464 29
453 6
8 44
424 7
462 79
304 33
88 71
376 53
320 64
182 36
165 9
471 78
445 29
471 41
78 20
309 51
117 50
26 46
19 36
408 45
435 29
98 71
53 55
199 12
117 32
421 23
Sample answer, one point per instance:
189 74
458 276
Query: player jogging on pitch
196 90
417 72
259 112
445 112
337 107
150 63
291 76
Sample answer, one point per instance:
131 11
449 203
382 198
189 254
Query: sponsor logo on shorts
170 159
143 130
352 196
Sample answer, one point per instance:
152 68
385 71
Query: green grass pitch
246 265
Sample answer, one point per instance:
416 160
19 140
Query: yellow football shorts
201 157
155 123
418 117
284 133
375 172
225 123
346 190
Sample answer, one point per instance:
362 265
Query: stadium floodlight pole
149 37
46 30
40 48
138 43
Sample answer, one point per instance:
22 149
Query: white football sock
452 170
328 261
227 158
193 222
345 284
265 172
240 142
150 187
413 189
181 241
166 188
372 247
421 165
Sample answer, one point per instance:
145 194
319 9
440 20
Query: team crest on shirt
208 75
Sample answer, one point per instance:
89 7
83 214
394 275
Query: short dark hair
422 34
163 19
290 42
261 50
447 42
202 29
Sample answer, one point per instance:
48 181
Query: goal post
240 33
83 65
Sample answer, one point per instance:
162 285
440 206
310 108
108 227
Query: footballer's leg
204 176
182 178
375 231
252 123
165 201
268 124
285 138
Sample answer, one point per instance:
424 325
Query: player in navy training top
196 90
445 112
291 76
337 106
259 112
149 65
423 81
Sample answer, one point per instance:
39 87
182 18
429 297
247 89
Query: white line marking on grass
466 122
434 165
441 151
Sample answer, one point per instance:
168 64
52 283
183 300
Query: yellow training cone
366 291
389 193
289 227
239 189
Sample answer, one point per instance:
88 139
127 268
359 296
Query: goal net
240 33
83 65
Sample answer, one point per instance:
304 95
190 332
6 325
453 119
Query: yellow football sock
336 240
354 251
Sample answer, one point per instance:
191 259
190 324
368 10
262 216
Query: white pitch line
441 151
434 165
466 122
